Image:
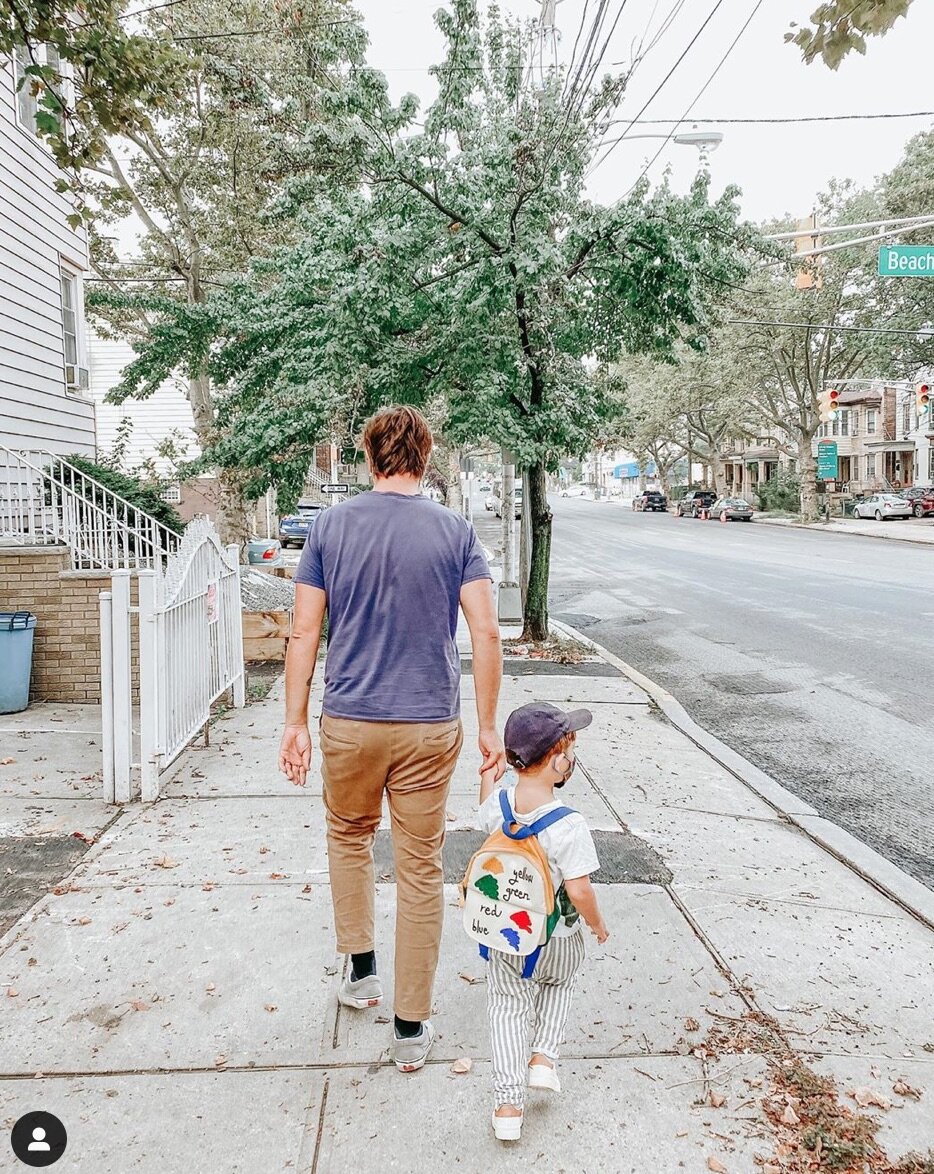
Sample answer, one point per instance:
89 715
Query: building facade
748 462
881 443
44 400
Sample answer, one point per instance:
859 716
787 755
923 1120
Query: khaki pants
413 764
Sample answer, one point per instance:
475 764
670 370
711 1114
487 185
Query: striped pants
526 1011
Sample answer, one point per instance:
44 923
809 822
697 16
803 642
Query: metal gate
190 642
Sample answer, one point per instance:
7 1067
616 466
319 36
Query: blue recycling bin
16 635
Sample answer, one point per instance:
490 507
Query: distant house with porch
881 444
44 401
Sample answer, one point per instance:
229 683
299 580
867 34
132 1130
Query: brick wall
66 654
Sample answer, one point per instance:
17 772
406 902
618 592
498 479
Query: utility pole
509 602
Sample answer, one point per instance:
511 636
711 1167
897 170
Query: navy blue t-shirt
392 567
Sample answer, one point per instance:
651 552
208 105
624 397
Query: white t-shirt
567 844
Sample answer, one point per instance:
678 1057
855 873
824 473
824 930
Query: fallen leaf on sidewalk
469 979
306 889
717 1166
139 1005
210 987
790 1117
81 836
263 850
270 1007
164 862
11 992
716 1099
7 761
904 1089
208 887
277 876
220 1061
462 1065
770 1169
83 921
865 1097
681 1133
691 1024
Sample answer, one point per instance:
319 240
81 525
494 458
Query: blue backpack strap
547 820
528 968
525 830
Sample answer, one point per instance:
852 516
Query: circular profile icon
39 1139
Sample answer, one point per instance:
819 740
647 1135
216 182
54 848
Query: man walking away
390 568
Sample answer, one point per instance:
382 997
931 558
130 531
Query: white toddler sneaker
541 1076
507 1128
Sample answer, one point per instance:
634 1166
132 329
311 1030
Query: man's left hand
494 753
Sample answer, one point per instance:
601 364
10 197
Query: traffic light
829 404
923 398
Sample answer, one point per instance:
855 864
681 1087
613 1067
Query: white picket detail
190 653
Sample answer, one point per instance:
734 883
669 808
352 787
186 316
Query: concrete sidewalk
175 1004
920 531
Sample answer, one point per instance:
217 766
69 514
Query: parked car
489 502
651 501
921 499
735 509
498 501
577 490
882 506
692 503
294 528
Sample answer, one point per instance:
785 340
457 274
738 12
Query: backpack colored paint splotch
508 896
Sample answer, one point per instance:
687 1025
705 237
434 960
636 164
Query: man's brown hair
398 440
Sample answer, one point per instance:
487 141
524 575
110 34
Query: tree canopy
840 27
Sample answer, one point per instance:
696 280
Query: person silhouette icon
38 1143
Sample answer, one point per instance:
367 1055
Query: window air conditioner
76 377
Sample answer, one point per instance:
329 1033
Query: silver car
882 506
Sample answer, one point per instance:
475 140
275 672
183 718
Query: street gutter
914 897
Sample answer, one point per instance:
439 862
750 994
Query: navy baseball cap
533 729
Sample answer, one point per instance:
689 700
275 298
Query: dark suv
650 501
692 503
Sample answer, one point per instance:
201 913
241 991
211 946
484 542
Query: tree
470 266
91 73
258 115
840 27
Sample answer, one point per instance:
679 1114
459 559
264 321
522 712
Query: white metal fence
45 500
190 652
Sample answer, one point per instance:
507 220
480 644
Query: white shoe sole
507 1128
417 1065
541 1076
358 1004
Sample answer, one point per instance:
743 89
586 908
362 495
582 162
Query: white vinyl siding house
44 402
164 414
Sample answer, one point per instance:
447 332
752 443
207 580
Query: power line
700 93
661 84
777 121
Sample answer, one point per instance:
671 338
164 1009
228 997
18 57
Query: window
870 466
845 422
931 464
870 421
172 494
906 417
854 422
835 427
28 103
70 317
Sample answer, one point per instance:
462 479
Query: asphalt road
810 654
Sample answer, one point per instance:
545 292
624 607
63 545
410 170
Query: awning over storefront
630 469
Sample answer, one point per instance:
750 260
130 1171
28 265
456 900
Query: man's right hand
295 754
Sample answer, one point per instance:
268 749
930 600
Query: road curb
820 528
914 897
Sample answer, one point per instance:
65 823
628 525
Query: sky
780 169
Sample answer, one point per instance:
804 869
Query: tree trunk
719 481
808 480
454 497
535 613
663 479
231 513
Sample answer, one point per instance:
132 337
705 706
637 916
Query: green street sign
827 460
906 261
